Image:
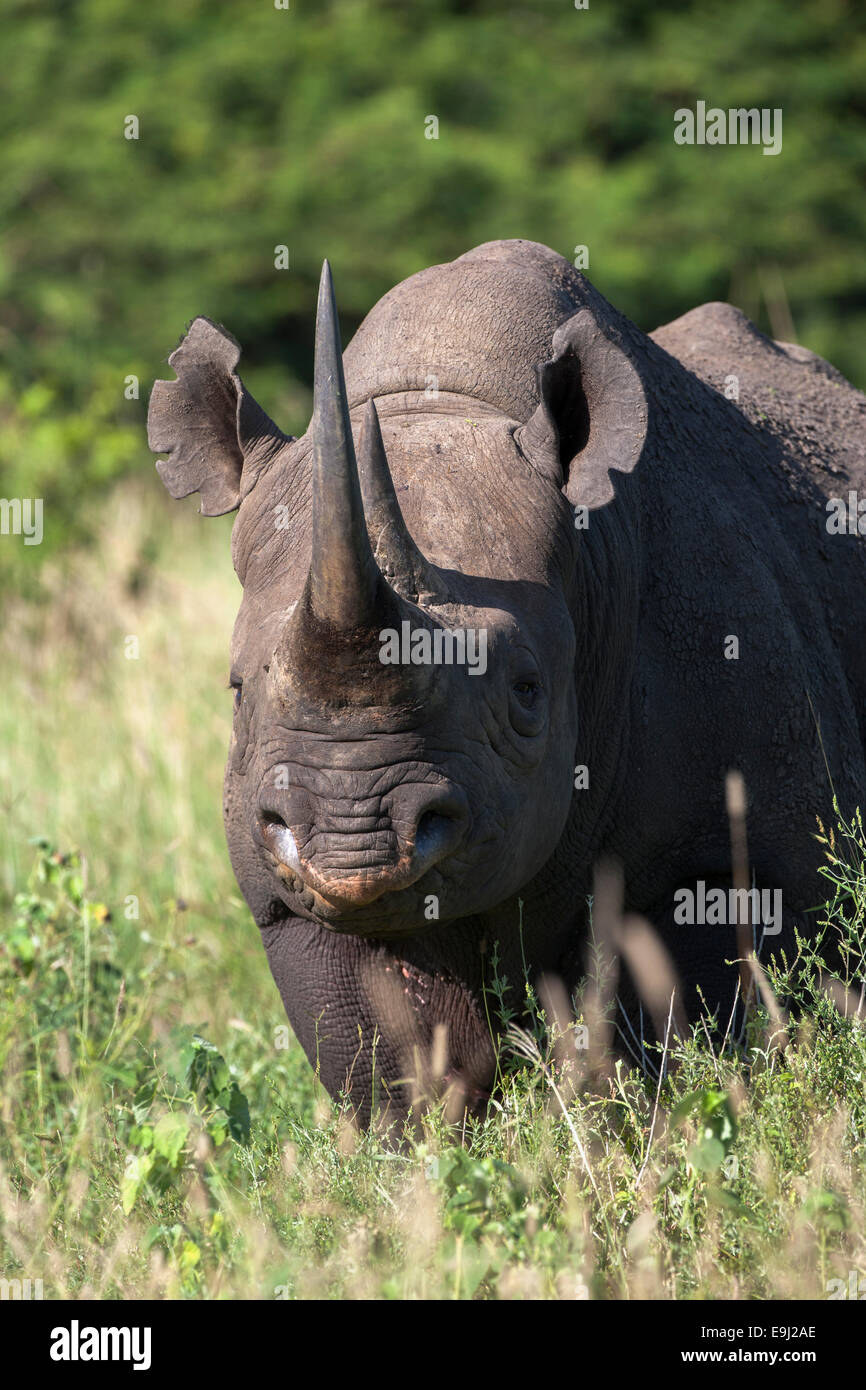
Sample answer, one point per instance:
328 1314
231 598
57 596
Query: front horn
344 584
330 646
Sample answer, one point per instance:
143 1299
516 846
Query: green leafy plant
717 1127
205 1098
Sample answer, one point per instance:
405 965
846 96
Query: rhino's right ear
216 436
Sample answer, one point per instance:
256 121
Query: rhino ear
208 423
592 413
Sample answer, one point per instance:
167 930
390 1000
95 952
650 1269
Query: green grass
158 1140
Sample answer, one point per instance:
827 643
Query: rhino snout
347 868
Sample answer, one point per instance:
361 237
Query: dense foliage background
305 127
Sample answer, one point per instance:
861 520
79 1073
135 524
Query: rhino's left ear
216 436
592 413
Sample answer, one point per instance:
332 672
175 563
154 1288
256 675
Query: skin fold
499 450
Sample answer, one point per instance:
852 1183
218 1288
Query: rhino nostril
437 831
431 823
280 840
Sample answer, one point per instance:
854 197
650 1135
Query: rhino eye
527 691
527 705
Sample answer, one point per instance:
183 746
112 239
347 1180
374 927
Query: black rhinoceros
531 584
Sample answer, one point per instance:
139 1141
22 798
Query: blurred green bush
305 127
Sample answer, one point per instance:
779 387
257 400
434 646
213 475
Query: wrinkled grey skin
356 793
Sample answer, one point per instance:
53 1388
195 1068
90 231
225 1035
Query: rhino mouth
398 914
356 890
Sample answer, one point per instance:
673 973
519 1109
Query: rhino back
814 424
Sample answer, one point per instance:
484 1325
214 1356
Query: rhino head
414 613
